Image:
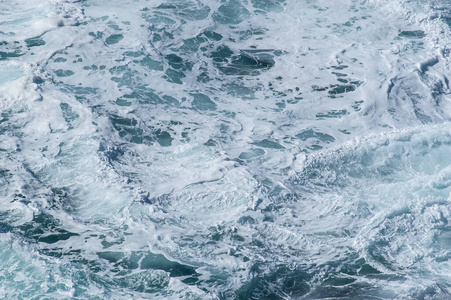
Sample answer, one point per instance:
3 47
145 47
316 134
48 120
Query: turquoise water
233 149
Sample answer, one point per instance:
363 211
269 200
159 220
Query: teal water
233 149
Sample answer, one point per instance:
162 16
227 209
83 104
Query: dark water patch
177 63
79 90
424 66
164 138
351 22
344 131
34 42
221 54
310 133
247 220
339 74
340 67
446 20
423 118
64 73
280 106
45 228
170 100
213 36
127 128
91 67
143 96
357 105
123 102
78 60
341 89
203 102
134 54
6 55
68 114
414 34
226 233
4 228
314 147
135 132
160 35
294 100
113 26
174 76
339 281
152 64
37 80
60 60
232 12
114 39
204 77
98 35
160 262
256 33
125 76
316 88
192 45
247 62
367 270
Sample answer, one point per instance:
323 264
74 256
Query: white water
245 149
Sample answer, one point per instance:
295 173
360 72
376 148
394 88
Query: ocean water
225 149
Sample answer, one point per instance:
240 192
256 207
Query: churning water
225 149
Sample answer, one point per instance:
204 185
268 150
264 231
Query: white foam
235 175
